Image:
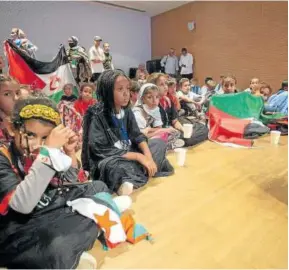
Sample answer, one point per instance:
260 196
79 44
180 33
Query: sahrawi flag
47 77
231 114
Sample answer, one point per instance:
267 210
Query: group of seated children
39 169
191 99
276 103
125 137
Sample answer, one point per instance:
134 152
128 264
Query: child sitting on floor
66 106
142 79
229 85
70 116
146 110
85 99
38 173
265 91
253 84
279 101
141 72
134 90
114 150
9 93
189 100
195 88
206 87
172 95
68 95
219 85
148 117
209 91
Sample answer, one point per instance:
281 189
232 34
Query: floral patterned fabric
71 118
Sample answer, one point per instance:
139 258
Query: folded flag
47 77
230 115
118 227
134 232
107 219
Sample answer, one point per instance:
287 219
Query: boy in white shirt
96 58
189 100
186 64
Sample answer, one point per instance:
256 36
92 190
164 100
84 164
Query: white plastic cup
188 130
275 137
181 156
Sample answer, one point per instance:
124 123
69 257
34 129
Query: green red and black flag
230 114
47 77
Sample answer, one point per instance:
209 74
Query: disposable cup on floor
181 156
188 130
275 137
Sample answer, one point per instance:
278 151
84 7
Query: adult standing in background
170 63
186 64
19 38
96 58
78 60
107 63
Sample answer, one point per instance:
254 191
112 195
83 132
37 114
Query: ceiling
152 8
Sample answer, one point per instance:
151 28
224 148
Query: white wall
48 24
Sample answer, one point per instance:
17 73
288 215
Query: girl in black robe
114 150
37 228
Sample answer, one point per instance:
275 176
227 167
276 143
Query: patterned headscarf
142 91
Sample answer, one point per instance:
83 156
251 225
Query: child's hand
70 147
146 131
58 137
149 164
151 167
